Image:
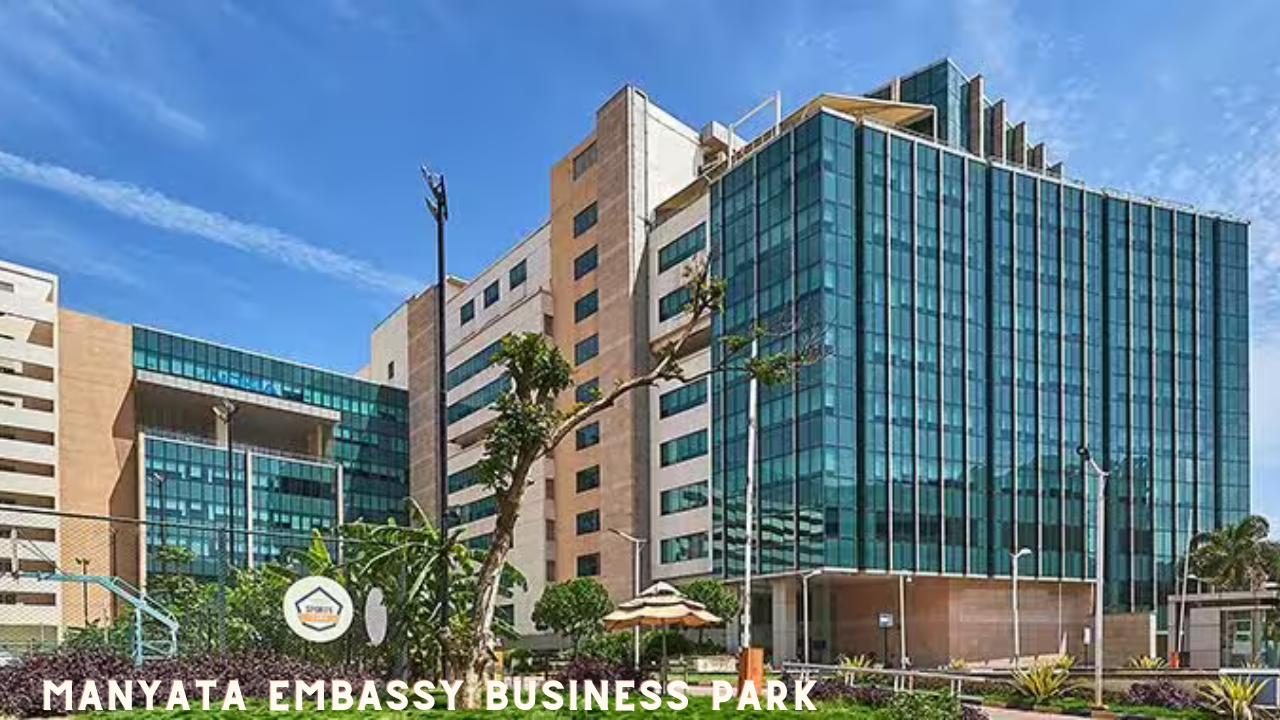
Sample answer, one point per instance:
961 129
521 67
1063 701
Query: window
468 312
683 448
391 370
685 497
682 248
519 273
471 367
589 435
587 391
464 479
478 400
586 306
583 161
685 547
585 263
588 522
584 220
589 565
491 294
685 397
586 349
505 614
673 303
589 478
478 510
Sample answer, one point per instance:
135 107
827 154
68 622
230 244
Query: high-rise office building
99 419
981 316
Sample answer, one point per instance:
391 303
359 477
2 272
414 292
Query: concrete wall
97 453
422 352
389 350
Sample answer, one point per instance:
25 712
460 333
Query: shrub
1161 693
586 668
1146 662
973 712
854 661
613 648
1232 697
923 706
1041 682
835 690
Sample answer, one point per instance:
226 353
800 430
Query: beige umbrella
659 606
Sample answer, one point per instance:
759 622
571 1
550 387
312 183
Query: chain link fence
158 589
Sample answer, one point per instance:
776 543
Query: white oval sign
318 609
375 617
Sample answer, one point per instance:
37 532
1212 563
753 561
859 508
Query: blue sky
247 172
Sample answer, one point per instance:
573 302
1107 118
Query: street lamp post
636 544
804 585
225 410
1099 567
1017 628
438 203
84 587
1182 612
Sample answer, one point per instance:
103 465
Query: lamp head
1083 452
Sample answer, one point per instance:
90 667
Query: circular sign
375 617
317 609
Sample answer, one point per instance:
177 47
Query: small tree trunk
478 652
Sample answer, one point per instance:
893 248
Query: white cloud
160 211
1017 59
105 51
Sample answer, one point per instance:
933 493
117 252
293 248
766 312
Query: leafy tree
716 596
531 424
573 609
1236 557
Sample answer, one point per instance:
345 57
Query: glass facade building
364 466
980 322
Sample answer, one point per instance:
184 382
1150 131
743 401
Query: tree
1236 557
530 425
715 595
573 609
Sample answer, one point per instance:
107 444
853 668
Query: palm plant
1232 697
1041 682
1237 557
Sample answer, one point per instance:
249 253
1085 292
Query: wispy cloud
1022 64
160 211
104 51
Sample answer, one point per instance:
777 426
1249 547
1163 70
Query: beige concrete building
29 439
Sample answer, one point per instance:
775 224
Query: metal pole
902 621
439 206
1017 624
752 391
635 631
804 583
1017 636
1099 568
1182 605
636 543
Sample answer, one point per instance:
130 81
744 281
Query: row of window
682 248
585 220
684 548
478 400
586 306
586 349
685 447
685 497
516 277
587 522
464 479
472 366
586 262
674 303
685 397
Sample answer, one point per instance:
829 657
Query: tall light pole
225 410
1017 628
1182 612
752 392
1099 566
438 203
804 584
636 544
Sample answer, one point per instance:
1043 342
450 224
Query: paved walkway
1006 714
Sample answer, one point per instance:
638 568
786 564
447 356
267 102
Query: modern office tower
981 317
29 471
138 439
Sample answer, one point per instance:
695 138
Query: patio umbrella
659 606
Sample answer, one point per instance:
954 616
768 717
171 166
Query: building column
786 637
